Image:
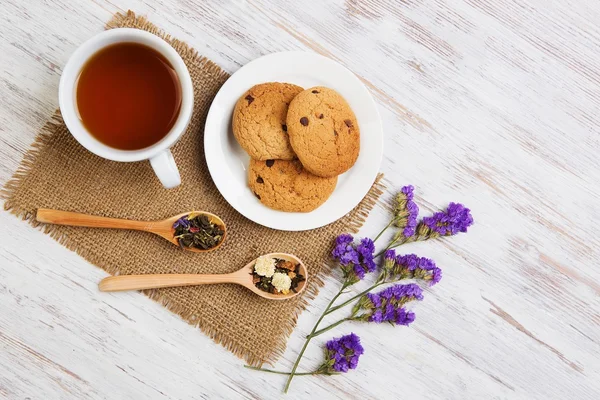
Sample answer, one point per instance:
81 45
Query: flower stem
321 331
389 246
293 372
361 294
411 239
358 296
280 372
383 230
400 241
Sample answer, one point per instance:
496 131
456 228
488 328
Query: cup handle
165 169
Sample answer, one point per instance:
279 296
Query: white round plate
227 162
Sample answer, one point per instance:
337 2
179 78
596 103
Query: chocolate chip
315 91
335 132
260 180
270 163
348 123
249 98
304 121
256 194
321 116
284 127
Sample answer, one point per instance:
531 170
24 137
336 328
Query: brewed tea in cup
126 95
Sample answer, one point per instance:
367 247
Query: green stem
361 294
383 230
403 240
410 239
280 372
321 331
389 246
358 296
307 341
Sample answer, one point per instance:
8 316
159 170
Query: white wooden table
491 103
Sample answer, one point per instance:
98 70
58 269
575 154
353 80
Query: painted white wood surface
491 103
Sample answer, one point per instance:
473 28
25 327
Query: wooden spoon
241 277
162 228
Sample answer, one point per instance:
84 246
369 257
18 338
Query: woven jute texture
58 173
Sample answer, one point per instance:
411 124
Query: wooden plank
489 103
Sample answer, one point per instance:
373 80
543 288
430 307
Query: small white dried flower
265 266
281 282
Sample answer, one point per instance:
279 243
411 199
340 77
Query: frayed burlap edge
356 218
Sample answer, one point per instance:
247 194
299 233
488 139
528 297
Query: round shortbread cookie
285 185
259 120
323 131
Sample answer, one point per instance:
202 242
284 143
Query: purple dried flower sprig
454 219
344 250
389 259
406 211
411 266
385 306
405 215
388 305
356 260
342 354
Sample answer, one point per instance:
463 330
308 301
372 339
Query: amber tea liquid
128 96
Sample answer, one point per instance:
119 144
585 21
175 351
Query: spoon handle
92 221
140 282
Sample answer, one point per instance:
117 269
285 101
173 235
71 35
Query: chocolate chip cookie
323 131
259 120
285 185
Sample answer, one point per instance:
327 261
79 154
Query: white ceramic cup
160 156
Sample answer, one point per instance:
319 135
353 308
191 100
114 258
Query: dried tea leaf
196 230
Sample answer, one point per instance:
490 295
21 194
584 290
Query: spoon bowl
169 233
163 228
248 269
242 277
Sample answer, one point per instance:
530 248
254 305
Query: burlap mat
58 173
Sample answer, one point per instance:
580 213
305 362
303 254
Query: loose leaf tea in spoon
197 230
277 276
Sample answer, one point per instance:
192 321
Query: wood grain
490 103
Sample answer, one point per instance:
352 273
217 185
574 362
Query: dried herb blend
197 230
277 276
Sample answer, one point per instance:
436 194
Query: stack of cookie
299 141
